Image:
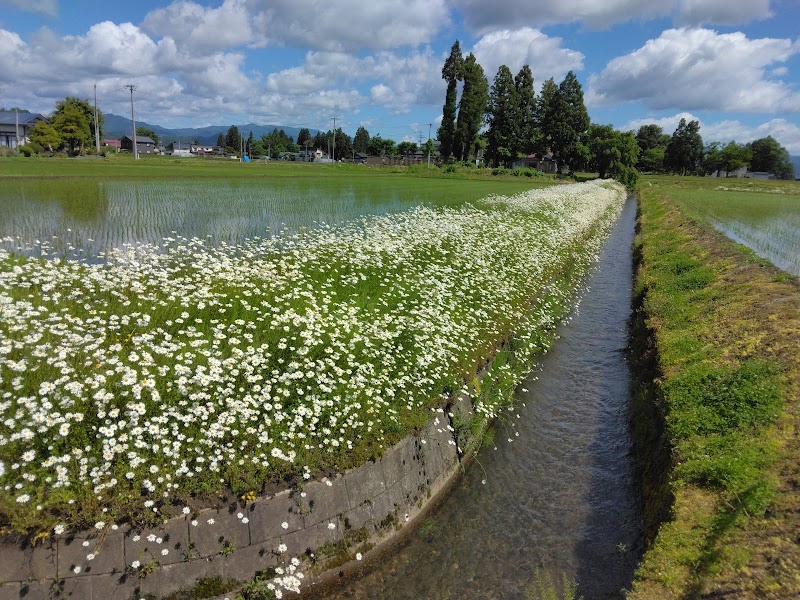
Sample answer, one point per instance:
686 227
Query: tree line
685 153
508 120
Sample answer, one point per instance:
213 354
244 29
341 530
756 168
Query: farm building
144 144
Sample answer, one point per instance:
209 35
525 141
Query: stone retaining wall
364 506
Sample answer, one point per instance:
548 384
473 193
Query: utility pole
429 143
16 126
96 127
132 87
334 138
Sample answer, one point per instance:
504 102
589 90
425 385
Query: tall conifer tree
526 109
471 108
452 73
502 116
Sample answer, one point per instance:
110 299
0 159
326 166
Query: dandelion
359 556
285 525
211 522
136 564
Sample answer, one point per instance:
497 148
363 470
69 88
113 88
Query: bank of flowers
133 388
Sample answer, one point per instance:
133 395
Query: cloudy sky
732 64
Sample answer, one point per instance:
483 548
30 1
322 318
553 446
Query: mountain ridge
116 126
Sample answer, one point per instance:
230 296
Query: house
206 150
546 163
109 143
15 127
144 144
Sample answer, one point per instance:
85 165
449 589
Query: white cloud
335 25
786 133
48 8
482 16
203 29
349 25
699 69
398 80
529 46
728 12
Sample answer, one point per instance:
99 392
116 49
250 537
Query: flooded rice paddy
765 219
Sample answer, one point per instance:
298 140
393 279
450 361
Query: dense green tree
73 128
452 73
221 140
651 160
735 156
233 140
277 141
406 148
545 116
471 108
147 132
570 126
361 141
652 143
712 159
44 136
257 149
502 116
613 153
303 136
248 149
769 156
526 112
684 153
381 147
320 142
73 119
344 145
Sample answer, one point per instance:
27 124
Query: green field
761 214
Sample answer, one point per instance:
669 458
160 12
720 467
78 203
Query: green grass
723 324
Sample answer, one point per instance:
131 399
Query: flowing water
560 499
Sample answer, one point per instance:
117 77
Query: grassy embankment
722 461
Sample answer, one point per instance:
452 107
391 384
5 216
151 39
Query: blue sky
732 64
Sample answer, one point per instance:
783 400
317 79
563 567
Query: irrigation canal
559 498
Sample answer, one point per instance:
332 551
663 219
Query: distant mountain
116 126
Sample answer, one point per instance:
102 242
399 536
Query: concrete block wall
238 541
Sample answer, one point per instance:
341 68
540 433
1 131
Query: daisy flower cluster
185 369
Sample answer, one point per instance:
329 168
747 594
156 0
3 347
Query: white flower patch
171 370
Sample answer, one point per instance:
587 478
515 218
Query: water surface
559 495
82 218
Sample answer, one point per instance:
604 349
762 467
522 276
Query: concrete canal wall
329 518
